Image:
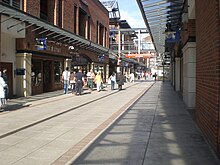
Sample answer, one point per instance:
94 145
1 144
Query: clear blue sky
130 11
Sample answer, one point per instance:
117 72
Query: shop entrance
80 62
47 72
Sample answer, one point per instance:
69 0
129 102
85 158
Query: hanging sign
41 43
134 55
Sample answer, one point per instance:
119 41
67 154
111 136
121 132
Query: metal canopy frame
156 14
46 27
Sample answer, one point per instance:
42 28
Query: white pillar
189 74
23 61
67 63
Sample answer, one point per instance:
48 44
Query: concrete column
67 63
23 61
107 72
177 74
189 74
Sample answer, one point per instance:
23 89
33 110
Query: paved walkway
156 130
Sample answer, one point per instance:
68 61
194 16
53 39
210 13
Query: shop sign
41 43
54 49
101 58
136 55
20 71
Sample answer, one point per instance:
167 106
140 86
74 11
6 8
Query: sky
130 11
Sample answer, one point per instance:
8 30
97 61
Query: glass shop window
36 73
57 71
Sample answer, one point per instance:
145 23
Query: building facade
39 38
196 73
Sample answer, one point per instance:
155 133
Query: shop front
46 74
90 60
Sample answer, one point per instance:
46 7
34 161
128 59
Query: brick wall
68 16
188 31
0 40
98 13
95 9
207 69
32 7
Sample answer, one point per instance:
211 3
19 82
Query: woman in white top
113 80
2 91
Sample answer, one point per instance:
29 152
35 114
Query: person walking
113 80
65 79
73 81
79 82
5 78
90 79
155 76
132 77
98 81
2 92
120 81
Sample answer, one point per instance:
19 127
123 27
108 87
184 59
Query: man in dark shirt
79 82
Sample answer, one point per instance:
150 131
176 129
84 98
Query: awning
51 31
157 15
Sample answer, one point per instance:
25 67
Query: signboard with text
136 55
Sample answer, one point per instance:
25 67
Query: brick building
208 70
195 64
39 38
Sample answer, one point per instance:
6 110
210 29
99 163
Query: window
97 32
60 15
36 72
44 9
82 22
57 71
89 27
101 34
14 3
75 19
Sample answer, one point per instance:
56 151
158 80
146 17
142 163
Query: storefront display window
57 70
36 73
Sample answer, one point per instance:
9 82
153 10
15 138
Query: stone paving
156 130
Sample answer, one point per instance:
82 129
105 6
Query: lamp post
119 51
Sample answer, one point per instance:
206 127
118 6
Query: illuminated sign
41 43
134 55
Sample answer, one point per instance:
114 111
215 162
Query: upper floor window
14 3
60 13
75 19
82 22
44 9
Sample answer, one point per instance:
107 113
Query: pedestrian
2 92
5 78
90 79
132 77
155 76
113 80
120 81
66 79
73 81
79 82
98 81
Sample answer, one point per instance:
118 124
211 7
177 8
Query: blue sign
174 37
41 43
101 58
